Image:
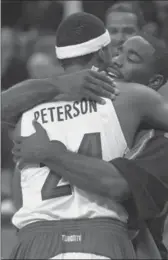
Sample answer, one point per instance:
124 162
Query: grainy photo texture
84 129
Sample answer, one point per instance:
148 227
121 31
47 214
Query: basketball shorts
99 238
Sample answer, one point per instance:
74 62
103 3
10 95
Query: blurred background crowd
28 40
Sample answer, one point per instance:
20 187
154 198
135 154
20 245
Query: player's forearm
25 95
90 174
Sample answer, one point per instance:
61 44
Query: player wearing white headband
84 48
57 220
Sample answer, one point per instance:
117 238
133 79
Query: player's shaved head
79 37
160 54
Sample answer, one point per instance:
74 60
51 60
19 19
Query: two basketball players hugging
74 222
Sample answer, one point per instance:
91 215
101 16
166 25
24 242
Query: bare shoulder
138 93
131 87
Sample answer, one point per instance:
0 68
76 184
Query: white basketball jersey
87 127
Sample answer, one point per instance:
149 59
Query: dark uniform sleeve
147 176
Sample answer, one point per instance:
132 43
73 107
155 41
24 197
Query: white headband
84 48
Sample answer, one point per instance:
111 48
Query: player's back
83 127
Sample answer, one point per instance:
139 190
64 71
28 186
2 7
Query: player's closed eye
134 58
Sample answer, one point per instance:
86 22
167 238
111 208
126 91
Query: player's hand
87 84
32 148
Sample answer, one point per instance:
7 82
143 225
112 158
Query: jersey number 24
90 146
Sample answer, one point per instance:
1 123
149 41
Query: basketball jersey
85 127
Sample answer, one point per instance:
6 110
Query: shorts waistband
75 224
100 236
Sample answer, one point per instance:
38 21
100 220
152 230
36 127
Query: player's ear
102 55
156 82
104 58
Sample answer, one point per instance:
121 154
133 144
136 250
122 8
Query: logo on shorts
72 238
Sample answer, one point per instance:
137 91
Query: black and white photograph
84 129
